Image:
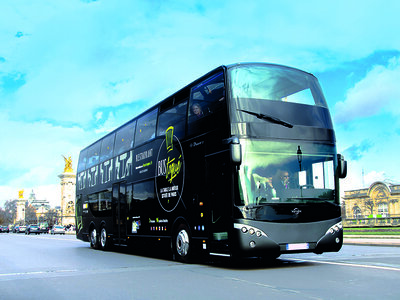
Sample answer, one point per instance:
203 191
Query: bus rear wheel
181 244
104 241
94 243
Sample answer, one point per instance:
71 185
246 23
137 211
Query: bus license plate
298 246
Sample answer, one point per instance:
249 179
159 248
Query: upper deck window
175 117
93 155
206 97
146 128
82 160
107 147
269 82
124 138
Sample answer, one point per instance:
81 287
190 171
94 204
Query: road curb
376 241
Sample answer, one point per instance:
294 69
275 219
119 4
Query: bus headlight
335 228
250 230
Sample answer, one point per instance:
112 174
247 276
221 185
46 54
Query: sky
71 71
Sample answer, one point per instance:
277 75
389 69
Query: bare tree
10 211
30 214
369 204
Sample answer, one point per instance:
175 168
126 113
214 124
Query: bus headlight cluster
250 230
335 228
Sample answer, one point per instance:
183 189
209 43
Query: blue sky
72 70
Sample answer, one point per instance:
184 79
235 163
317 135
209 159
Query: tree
51 217
3 218
370 205
10 211
30 214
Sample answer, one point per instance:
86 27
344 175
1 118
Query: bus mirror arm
342 166
235 149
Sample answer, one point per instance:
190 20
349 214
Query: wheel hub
182 243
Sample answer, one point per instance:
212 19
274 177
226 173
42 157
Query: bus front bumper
252 238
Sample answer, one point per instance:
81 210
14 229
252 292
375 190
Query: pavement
372 240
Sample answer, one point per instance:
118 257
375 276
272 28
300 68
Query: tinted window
124 138
129 196
100 201
93 155
93 200
105 200
146 128
175 117
82 161
143 191
207 96
107 147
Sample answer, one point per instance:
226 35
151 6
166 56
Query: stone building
377 205
42 207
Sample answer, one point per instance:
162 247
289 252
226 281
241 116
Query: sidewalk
372 240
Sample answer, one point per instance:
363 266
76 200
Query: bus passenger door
219 177
119 213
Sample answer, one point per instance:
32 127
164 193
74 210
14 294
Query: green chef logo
170 171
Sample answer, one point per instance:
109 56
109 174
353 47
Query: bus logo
169 171
296 211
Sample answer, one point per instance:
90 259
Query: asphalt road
61 267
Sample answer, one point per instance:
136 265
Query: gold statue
68 164
21 194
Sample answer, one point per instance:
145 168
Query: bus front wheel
93 239
181 244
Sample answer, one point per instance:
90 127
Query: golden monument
67 193
68 164
21 194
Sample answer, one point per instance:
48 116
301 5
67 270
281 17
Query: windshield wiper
268 118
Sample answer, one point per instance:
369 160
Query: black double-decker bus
241 162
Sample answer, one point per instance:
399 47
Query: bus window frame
181 121
110 139
82 161
140 137
93 155
120 148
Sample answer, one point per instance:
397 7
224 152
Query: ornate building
41 206
67 194
378 205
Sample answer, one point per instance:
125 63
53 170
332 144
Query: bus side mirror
236 151
342 166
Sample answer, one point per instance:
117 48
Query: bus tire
93 238
181 244
104 240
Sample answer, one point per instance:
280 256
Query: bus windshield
286 172
277 83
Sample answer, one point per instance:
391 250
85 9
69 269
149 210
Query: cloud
357 179
32 151
377 92
374 176
356 152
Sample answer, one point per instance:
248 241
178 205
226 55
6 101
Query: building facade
41 207
378 205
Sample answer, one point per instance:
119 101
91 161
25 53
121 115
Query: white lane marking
346 264
37 272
